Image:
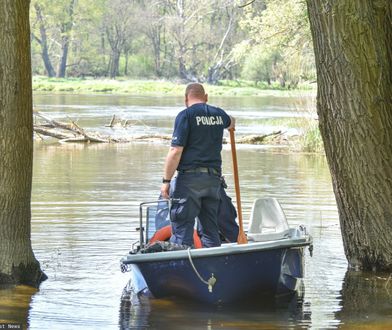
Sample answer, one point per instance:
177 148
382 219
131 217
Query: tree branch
247 4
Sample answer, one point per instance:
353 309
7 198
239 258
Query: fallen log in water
52 133
124 123
71 133
66 132
256 139
153 137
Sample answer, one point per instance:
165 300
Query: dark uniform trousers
196 195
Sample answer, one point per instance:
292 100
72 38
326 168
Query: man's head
195 93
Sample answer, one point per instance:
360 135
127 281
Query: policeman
227 214
195 153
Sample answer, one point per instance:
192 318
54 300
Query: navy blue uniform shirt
199 129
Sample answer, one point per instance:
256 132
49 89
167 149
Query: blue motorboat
272 263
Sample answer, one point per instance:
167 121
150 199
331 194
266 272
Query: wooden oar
241 235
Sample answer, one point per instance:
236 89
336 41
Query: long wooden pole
241 234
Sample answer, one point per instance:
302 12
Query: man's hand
165 190
172 159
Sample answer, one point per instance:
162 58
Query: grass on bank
156 87
308 139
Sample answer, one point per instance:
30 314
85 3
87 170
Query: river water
85 208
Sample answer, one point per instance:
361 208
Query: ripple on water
85 209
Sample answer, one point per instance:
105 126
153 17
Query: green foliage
146 87
79 85
139 66
311 140
267 42
280 47
261 64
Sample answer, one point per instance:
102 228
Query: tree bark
17 261
353 49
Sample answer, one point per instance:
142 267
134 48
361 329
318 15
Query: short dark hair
195 90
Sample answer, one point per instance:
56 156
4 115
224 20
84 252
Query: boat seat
267 221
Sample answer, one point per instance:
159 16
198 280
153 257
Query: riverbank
159 87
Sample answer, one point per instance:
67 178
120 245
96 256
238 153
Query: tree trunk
157 57
116 41
126 63
66 29
44 42
114 64
182 71
214 73
352 42
103 49
64 56
17 262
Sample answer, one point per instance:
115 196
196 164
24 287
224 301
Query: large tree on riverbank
54 22
17 262
353 49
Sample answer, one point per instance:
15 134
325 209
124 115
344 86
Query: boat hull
244 276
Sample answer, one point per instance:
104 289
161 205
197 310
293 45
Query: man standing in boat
195 153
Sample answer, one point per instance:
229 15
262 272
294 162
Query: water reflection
144 312
366 300
85 208
148 115
15 304
85 204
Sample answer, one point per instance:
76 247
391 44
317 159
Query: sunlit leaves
207 40
281 28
